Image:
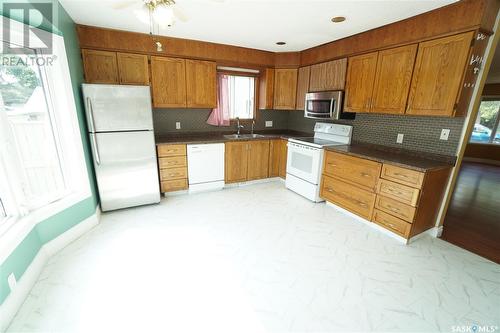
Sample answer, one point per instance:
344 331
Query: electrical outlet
269 123
445 133
400 138
177 125
11 280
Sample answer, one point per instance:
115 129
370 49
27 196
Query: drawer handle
400 175
334 165
395 191
394 209
364 174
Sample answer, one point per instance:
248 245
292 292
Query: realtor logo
36 14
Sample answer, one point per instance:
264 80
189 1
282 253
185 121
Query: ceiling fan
161 12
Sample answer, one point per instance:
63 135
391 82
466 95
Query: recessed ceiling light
338 19
280 43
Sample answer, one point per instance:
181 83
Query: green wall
19 260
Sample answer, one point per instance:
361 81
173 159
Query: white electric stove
305 158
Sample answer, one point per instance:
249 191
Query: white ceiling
258 23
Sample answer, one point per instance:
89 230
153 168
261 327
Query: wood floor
473 219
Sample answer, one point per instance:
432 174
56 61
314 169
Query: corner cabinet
304 75
438 75
266 89
285 88
201 84
100 66
168 79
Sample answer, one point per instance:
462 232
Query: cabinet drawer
348 196
357 170
171 150
174 173
172 162
174 185
395 208
391 223
401 193
402 175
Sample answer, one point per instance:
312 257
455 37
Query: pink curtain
220 115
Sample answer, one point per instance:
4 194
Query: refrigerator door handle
96 149
91 115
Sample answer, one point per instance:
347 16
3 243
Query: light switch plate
11 280
269 123
445 133
400 138
177 125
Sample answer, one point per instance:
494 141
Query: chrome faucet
239 126
253 124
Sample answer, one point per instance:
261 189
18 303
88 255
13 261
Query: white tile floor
256 259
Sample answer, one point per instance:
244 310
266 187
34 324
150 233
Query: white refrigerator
120 126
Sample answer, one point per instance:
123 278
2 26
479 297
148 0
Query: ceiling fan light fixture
338 19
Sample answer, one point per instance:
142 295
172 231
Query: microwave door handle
332 101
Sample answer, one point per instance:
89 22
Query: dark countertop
216 137
419 161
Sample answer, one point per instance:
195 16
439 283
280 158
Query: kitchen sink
243 136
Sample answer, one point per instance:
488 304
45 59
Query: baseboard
369 223
23 287
481 160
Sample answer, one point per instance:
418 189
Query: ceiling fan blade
124 4
179 13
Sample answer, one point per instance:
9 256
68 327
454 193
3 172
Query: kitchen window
487 129
241 96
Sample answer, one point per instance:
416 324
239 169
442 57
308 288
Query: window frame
19 223
494 131
233 121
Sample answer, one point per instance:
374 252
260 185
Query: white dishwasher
205 166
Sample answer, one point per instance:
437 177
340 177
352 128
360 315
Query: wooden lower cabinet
403 201
278 157
347 196
283 157
172 162
247 160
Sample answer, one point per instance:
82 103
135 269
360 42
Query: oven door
304 162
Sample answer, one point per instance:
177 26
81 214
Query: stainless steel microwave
326 105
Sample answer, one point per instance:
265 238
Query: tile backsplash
420 133
195 120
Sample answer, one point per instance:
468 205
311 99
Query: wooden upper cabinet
236 161
168 78
266 89
361 72
133 68
392 79
258 159
100 66
285 88
437 77
201 83
302 87
328 75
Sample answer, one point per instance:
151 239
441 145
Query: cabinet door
236 161
168 78
285 88
133 68
392 81
100 66
437 76
201 83
359 86
302 87
266 89
258 159
283 157
328 75
274 157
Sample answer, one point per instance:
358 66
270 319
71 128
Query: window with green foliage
486 129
